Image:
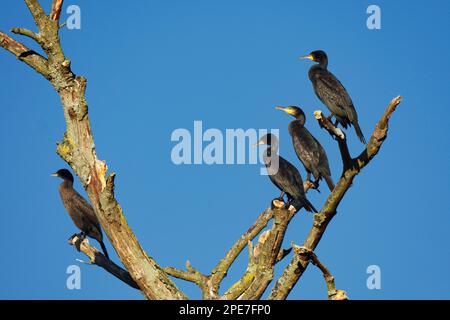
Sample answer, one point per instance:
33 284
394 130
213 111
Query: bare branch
211 290
30 57
337 134
283 253
237 289
296 267
56 9
97 258
378 135
37 12
28 33
221 269
262 258
267 252
180 274
333 293
191 275
325 122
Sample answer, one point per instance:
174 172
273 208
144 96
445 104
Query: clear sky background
155 66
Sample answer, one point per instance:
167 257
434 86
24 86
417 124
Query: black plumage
309 151
332 93
284 175
79 209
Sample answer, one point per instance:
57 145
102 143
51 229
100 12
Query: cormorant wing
320 159
306 146
86 209
289 179
330 89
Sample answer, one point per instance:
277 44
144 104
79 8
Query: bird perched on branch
79 209
284 175
309 151
332 93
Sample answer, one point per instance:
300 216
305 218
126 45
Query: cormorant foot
316 185
81 236
78 244
308 184
79 239
289 206
72 236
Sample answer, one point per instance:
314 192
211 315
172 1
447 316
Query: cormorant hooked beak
288 110
55 174
307 57
285 109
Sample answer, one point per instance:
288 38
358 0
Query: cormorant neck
300 119
67 184
273 148
323 63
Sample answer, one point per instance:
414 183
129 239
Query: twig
333 293
56 9
37 12
192 275
28 33
30 57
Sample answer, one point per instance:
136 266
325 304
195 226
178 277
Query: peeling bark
78 150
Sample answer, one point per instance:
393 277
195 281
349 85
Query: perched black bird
308 149
79 209
332 93
284 175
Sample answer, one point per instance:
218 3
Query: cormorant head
268 139
318 56
63 174
294 111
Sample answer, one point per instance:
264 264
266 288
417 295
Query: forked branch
306 254
297 266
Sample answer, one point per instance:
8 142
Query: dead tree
141 271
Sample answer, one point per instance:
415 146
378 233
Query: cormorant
332 93
284 175
79 209
309 151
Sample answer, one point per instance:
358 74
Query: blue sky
155 66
